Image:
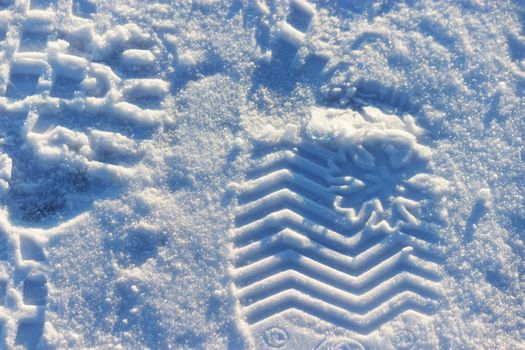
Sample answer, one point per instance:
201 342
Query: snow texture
262 174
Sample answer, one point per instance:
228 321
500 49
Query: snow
299 174
138 57
146 87
6 168
290 34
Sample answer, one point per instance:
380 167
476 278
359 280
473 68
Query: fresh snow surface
262 174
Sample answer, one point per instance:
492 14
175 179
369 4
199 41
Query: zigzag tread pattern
292 249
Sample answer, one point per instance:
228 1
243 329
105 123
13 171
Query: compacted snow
262 174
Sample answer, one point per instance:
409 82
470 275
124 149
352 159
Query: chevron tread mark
337 233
